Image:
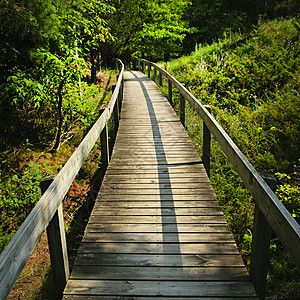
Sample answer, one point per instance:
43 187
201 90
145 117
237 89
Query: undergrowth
26 159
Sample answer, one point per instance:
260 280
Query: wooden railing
47 214
270 213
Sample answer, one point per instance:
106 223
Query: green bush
18 195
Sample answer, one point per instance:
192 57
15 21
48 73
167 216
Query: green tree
152 29
43 44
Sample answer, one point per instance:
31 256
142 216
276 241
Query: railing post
154 74
260 250
57 244
170 91
260 253
149 70
120 97
160 79
206 145
139 65
182 110
104 146
116 110
143 67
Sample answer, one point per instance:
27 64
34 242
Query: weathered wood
158 186
166 191
159 273
156 217
170 94
104 148
159 248
158 228
117 237
159 179
132 211
58 251
157 197
161 288
182 110
17 252
206 145
57 244
115 204
116 117
260 253
159 260
77 297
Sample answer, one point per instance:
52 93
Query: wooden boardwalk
156 230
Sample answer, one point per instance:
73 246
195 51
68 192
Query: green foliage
18 195
152 29
253 82
218 19
288 191
252 86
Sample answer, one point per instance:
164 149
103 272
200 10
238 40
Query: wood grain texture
156 229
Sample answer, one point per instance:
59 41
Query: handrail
277 216
17 252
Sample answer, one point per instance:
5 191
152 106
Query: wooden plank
155 186
156 158
158 172
157 219
159 228
165 191
153 168
159 260
86 297
159 248
157 197
159 180
160 273
159 288
174 237
132 211
157 204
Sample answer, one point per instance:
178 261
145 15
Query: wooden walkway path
156 230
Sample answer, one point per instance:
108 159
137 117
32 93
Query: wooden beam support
160 79
57 245
170 88
206 145
104 148
260 252
182 110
